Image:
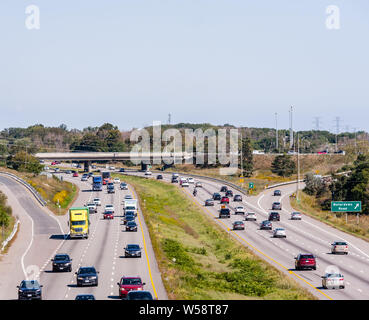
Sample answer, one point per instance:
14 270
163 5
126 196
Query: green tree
283 166
5 212
25 162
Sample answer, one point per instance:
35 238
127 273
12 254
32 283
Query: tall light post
276 132
298 168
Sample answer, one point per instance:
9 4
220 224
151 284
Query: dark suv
229 193
223 189
266 225
111 189
224 213
132 250
87 276
237 197
62 262
277 193
305 261
274 216
29 289
216 196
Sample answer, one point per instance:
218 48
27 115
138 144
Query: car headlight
80 278
139 289
93 278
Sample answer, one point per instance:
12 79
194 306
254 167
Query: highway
104 249
305 236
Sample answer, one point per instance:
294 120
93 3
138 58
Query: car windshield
238 222
78 223
130 213
97 199
109 206
130 218
61 257
30 284
91 205
132 281
139 295
340 243
86 270
133 247
333 275
306 256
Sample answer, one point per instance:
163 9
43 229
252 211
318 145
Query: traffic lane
55 283
11 271
38 250
357 261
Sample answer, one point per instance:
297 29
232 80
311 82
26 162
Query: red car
224 200
53 163
108 215
106 181
75 174
305 261
127 284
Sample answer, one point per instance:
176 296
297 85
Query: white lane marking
29 246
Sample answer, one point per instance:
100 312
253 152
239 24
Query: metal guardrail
28 186
5 242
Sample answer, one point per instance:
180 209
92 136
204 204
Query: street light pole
298 168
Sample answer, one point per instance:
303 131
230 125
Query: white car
279 233
148 173
84 178
250 216
191 180
109 207
116 180
296 216
333 280
111 168
92 207
97 201
198 184
239 210
185 184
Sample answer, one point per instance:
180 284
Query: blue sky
218 61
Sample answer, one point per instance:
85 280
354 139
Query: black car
229 193
224 213
174 180
85 297
62 262
217 196
132 250
159 177
129 216
87 276
274 216
121 170
131 226
139 295
237 197
223 189
111 189
277 192
29 289
266 225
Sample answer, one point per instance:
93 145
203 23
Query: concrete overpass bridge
144 158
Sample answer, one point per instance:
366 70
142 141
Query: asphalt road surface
305 236
104 249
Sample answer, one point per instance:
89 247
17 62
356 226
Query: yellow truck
79 222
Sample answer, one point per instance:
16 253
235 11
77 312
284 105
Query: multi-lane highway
42 235
305 236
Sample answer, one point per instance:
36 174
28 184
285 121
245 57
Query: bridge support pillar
86 167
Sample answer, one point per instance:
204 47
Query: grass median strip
197 259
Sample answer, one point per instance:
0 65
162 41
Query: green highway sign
346 206
251 185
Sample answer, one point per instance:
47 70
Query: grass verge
199 260
308 205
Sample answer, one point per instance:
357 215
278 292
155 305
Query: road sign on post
251 185
346 206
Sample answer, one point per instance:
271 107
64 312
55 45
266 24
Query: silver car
250 216
339 247
333 281
239 210
296 216
97 201
279 233
92 207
